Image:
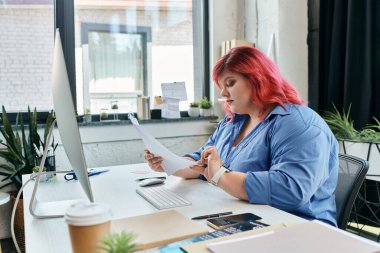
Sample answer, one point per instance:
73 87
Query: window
124 49
114 65
114 51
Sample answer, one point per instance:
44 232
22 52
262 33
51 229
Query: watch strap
215 179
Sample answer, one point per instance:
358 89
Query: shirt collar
278 110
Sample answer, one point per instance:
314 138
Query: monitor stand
43 209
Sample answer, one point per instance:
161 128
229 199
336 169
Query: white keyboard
161 197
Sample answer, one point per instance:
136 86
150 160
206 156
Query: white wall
293 55
120 144
223 15
287 20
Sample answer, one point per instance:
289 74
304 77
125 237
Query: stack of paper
173 93
311 237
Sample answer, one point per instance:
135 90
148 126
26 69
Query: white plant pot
193 112
360 149
205 112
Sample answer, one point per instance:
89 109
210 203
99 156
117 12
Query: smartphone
231 220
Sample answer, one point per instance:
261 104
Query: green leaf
7 168
3 186
49 121
343 128
119 243
7 130
4 174
341 124
10 156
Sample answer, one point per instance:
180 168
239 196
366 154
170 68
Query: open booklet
171 162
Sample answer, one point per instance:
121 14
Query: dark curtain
349 59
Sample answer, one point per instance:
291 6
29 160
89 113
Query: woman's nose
224 92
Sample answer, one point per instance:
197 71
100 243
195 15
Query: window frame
64 20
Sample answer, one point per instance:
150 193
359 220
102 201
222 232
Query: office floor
7 246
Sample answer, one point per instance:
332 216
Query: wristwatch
220 172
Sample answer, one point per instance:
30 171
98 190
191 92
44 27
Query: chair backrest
352 171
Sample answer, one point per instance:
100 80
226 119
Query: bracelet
215 179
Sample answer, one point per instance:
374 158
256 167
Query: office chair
352 171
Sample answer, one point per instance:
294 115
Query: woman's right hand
155 162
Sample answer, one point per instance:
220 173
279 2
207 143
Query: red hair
268 86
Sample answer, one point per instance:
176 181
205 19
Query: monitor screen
66 119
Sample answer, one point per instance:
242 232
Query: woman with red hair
270 148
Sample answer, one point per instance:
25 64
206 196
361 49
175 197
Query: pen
141 179
210 216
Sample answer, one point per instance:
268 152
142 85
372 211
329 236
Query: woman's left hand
209 156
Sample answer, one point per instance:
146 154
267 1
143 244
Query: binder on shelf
143 107
157 229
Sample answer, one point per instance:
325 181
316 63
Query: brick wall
26 51
168 28
26 46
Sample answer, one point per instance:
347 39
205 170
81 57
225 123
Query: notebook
157 229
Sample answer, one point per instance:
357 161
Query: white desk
118 189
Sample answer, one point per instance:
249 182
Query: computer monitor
70 137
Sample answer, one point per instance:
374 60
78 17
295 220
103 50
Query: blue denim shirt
290 160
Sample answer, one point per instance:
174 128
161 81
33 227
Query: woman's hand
209 156
155 162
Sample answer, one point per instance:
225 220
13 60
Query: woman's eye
230 83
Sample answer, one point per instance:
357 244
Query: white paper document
171 162
170 108
174 90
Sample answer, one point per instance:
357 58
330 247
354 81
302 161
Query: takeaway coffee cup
88 224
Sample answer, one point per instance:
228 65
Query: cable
32 177
14 212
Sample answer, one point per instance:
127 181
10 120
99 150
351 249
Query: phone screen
230 220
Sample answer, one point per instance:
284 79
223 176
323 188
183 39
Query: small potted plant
352 141
194 109
205 107
118 243
115 107
103 114
87 118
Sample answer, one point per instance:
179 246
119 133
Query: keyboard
161 197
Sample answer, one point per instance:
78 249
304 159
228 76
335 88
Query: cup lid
4 198
85 214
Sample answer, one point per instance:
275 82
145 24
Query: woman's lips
229 101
